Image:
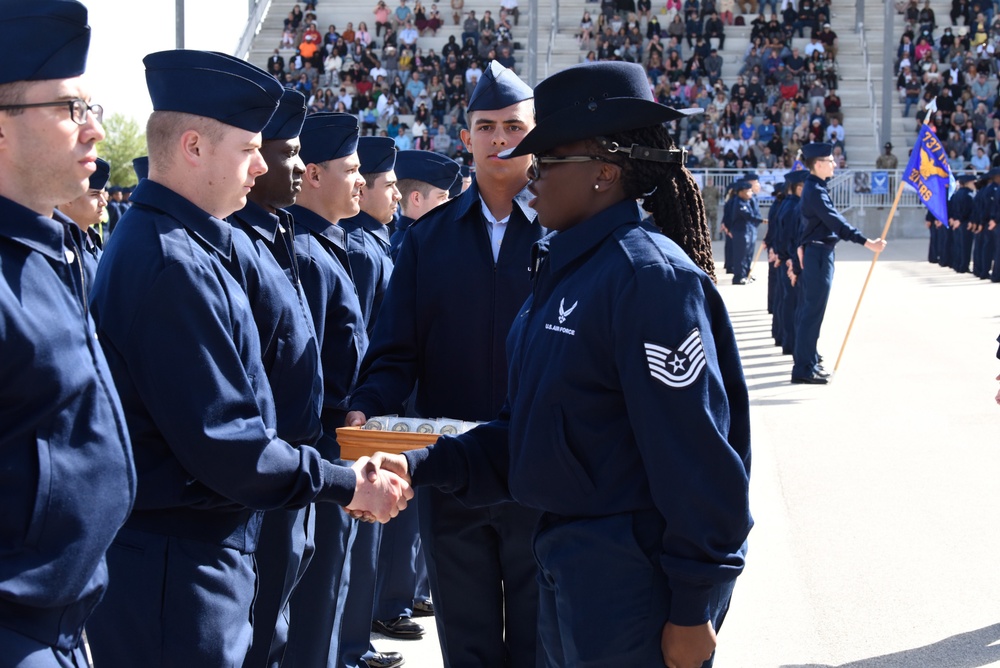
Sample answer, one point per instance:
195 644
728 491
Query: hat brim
609 117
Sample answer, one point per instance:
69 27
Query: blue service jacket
67 479
368 253
727 211
984 204
821 222
626 394
320 250
447 312
287 341
88 243
961 204
744 214
402 224
787 243
183 346
773 223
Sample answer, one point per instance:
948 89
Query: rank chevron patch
678 367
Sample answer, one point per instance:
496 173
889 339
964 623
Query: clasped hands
382 487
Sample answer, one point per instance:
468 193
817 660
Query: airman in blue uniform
458 282
67 479
428 183
331 610
425 180
83 215
262 240
745 217
184 349
786 249
960 208
625 390
773 270
822 228
983 212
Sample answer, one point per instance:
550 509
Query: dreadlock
670 193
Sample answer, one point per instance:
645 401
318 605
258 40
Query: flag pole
885 232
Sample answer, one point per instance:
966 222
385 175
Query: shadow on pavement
965 650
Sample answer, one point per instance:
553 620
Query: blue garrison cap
498 88
438 170
750 176
214 85
779 186
817 150
993 172
377 154
141 167
741 185
47 39
327 136
466 171
796 176
99 178
286 123
967 178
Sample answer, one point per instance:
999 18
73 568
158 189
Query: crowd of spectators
384 75
783 97
956 66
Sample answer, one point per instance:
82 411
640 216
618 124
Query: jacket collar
215 232
318 225
37 232
566 246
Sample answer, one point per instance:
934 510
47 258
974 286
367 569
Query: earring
597 187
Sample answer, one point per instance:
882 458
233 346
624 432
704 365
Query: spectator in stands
747 6
909 86
470 28
926 18
692 28
404 140
408 36
715 28
713 67
835 133
381 13
510 8
959 11
806 18
401 15
795 63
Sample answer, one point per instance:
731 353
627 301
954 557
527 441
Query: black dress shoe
423 609
384 660
402 628
815 379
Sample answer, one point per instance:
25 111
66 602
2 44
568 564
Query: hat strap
636 152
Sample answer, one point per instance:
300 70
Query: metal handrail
254 23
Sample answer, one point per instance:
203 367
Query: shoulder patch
680 366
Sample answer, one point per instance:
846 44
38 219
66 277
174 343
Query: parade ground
877 497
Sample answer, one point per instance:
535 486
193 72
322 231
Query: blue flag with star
928 173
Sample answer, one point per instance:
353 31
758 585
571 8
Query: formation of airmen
803 229
171 478
969 241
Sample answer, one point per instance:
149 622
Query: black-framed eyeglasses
538 160
77 109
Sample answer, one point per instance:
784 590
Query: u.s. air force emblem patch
678 367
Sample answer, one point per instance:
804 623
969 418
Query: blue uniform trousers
398 555
932 245
727 252
774 301
789 304
20 651
329 627
982 253
283 553
944 246
961 249
173 602
995 234
744 238
603 595
815 281
469 552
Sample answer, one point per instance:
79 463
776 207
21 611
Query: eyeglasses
538 160
77 109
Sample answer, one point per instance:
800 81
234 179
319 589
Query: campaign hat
213 85
48 39
590 100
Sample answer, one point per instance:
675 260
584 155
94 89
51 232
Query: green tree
123 143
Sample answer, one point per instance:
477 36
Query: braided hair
670 193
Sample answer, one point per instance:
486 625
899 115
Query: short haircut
13 93
407 186
810 163
164 128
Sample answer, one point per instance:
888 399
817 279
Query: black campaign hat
100 177
286 122
48 39
214 85
593 99
328 136
141 167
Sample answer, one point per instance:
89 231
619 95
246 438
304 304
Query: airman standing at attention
84 213
67 480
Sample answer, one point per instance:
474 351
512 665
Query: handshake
382 485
